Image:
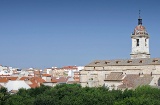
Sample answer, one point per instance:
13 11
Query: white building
140 42
15 85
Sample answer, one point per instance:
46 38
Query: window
137 42
117 62
106 62
140 61
129 61
145 42
97 62
155 60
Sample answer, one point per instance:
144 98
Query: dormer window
106 62
97 62
140 61
155 60
117 62
129 61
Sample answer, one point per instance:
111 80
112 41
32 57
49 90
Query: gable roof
37 80
125 62
60 79
5 79
115 76
46 75
134 80
34 85
12 78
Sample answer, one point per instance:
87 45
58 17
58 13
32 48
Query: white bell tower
140 42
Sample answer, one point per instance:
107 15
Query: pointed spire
139 19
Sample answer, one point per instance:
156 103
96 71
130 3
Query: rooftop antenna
139 20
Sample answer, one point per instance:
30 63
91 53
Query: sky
47 33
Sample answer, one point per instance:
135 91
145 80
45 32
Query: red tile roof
70 67
3 80
12 78
37 80
60 79
34 85
46 75
53 80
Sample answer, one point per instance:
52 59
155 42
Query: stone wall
98 74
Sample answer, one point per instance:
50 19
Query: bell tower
140 41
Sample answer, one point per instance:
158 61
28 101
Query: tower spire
139 19
140 41
139 14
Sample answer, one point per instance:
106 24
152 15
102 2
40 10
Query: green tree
4 95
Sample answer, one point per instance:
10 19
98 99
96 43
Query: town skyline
44 34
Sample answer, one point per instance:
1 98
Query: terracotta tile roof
33 81
46 75
134 80
40 80
60 79
70 67
3 80
35 77
12 78
37 80
54 81
145 80
113 76
129 81
34 85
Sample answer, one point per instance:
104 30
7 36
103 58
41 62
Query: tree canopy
74 94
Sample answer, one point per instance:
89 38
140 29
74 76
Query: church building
125 73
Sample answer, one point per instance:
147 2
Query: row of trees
74 94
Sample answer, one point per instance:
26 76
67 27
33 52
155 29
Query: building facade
125 73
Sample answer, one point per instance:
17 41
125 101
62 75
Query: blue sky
46 33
